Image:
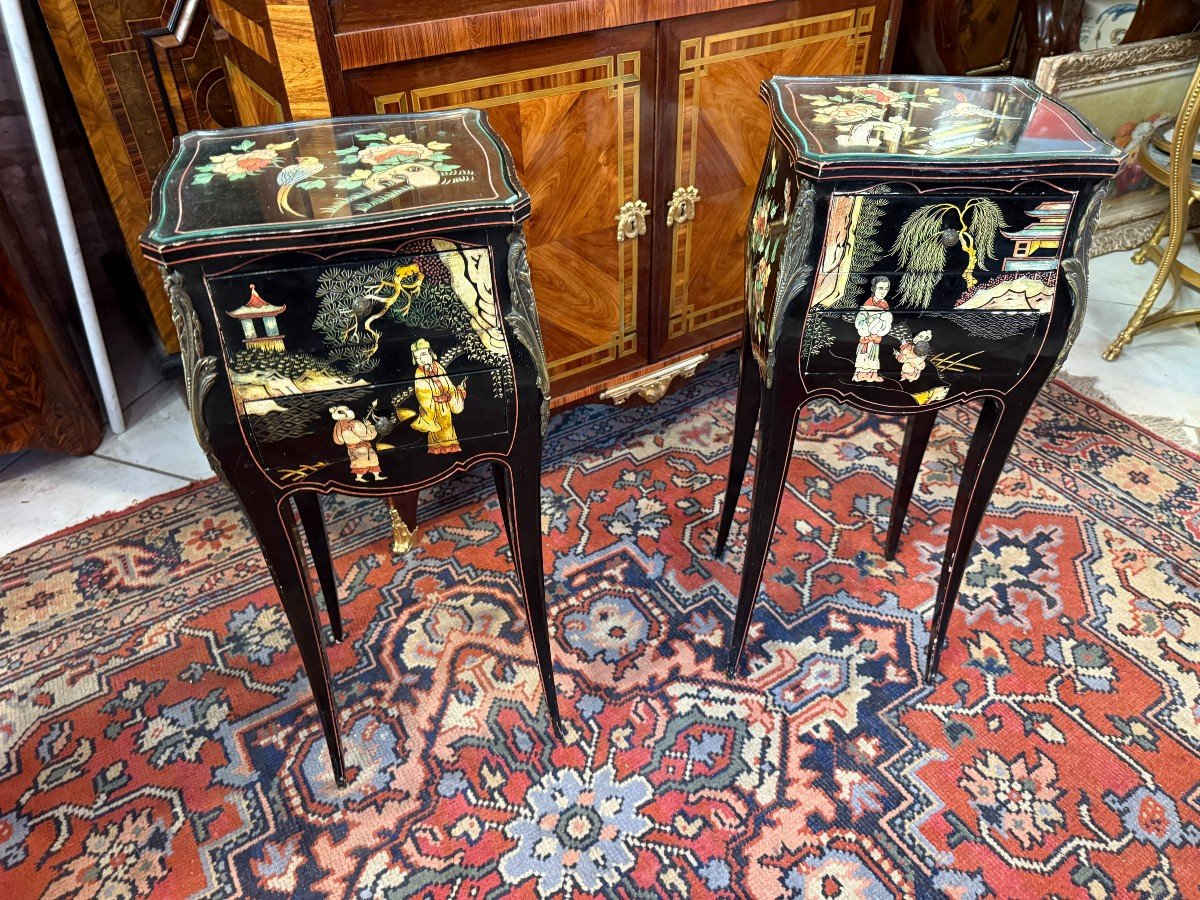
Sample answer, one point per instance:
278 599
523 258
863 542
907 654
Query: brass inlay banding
695 56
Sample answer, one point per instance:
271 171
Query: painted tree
925 237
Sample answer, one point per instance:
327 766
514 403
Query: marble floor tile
41 493
159 435
1155 381
1115 278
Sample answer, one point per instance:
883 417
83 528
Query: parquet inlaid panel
721 132
109 67
573 131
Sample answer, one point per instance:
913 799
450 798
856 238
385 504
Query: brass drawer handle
682 207
631 220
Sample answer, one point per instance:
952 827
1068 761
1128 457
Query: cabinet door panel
715 129
575 112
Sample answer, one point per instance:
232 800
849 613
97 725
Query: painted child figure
356 437
911 356
873 322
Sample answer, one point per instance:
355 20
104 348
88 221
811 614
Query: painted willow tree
925 237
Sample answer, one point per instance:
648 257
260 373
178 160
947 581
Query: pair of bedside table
914 243
356 316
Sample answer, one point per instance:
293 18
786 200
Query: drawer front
919 295
403 431
390 368
920 357
939 251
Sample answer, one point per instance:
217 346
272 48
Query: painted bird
965 109
304 168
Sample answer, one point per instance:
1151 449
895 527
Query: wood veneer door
577 114
713 132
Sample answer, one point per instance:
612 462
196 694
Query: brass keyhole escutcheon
682 207
631 220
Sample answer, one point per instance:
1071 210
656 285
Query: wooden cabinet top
867 124
330 181
370 32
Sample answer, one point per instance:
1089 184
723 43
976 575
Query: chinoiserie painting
376 168
889 117
766 236
333 365
925 294
335 171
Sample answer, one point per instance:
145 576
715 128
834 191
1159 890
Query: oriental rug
157 737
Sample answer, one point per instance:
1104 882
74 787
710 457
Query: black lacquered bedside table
356 316
914 243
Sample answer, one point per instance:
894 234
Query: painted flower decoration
576 830
761 221
242 161
875 93
848 113
762 274
386 166
864 102
1016 799
398 149
758 290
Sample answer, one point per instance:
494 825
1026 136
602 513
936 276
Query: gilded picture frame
1125 91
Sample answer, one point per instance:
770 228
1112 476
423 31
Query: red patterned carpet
158 738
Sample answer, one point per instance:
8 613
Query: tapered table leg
308 505
995 433
776 433
291 581
744 420
916 439
522 495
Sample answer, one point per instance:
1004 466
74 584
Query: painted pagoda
1044 233
257 309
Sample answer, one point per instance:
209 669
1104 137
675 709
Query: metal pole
35 107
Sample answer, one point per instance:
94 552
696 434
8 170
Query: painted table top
908 120
324 177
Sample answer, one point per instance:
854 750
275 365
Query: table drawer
334 368
926 355
359 320
937 250
401 428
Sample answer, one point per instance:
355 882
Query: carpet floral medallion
157 737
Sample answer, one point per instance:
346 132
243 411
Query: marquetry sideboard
634 124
